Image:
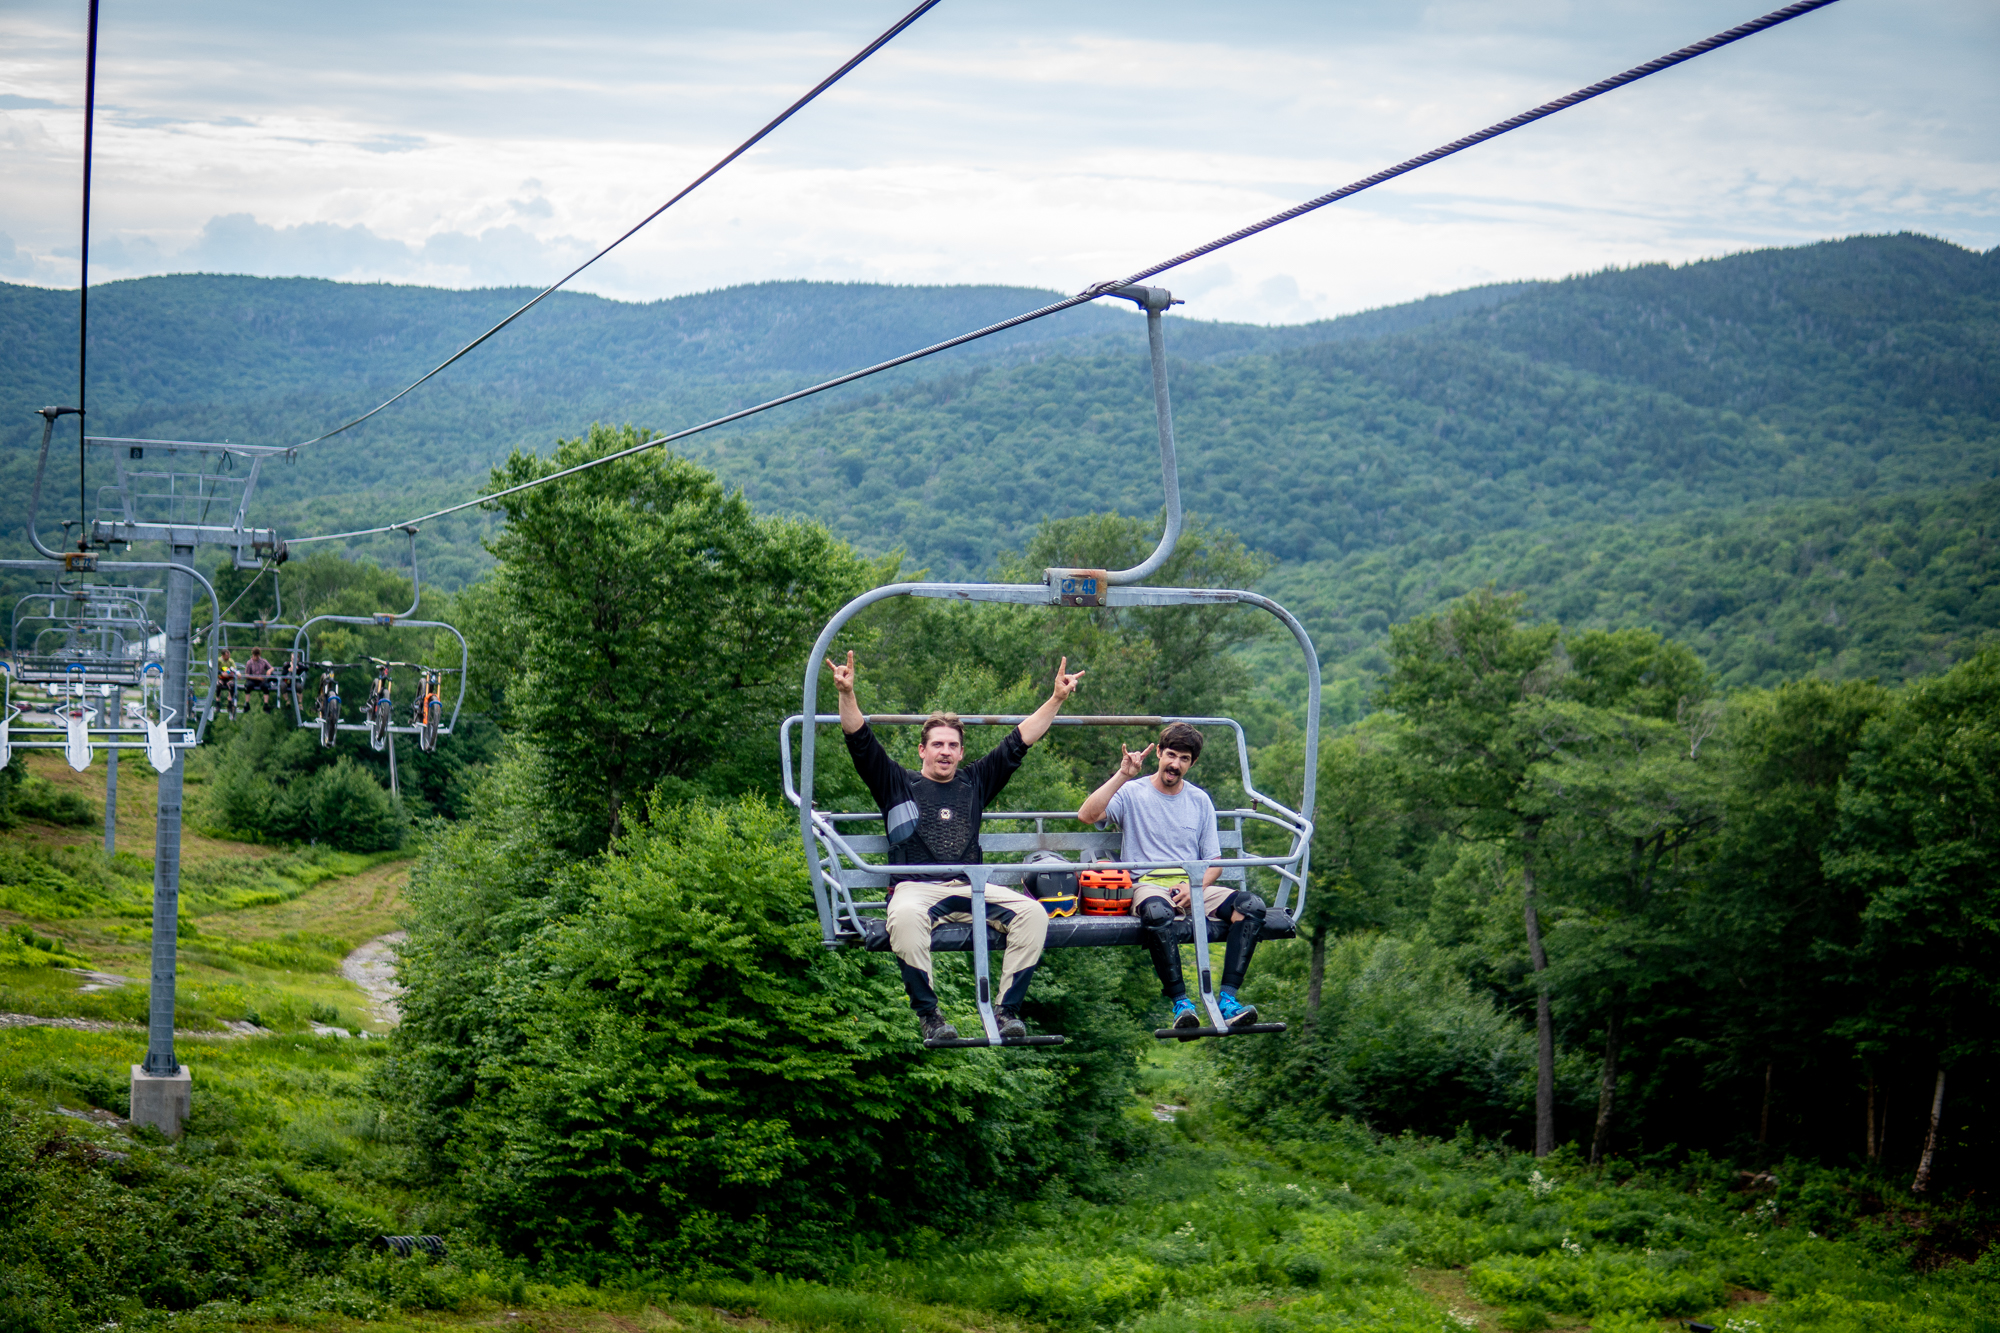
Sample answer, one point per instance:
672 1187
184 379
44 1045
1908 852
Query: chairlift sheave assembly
844 877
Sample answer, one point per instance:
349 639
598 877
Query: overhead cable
83 276
685 191
1107 288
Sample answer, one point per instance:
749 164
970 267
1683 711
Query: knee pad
1155 913
1250 905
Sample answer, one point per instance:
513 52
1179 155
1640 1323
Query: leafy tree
1919 839
656 623
1765 913
646 1060
1401 1041
1577 759
1368 842
1469 684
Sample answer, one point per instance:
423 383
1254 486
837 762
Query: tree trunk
1607 1091
1923 1180
1764 1116
1316 978
1545 1028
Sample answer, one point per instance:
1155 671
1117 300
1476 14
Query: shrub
1401 1041
342 806
675 1073
38 798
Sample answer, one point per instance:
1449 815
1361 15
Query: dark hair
936 720
1183 737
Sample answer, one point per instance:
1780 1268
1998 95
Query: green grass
1214 1230
1218 1228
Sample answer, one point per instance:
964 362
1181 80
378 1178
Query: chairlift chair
265 632
844 877
73 638
380 723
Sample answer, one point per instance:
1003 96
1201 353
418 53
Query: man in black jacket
933 816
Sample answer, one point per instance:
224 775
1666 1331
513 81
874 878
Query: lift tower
181 494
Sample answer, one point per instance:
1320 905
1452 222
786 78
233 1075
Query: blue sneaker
1185 1014
1234 1012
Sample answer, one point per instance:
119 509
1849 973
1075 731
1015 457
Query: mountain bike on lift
329 705
429 711
292 681
379 705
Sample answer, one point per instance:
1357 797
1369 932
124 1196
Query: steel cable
685 191
1598 89
1097 290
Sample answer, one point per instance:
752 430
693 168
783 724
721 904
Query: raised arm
851 720
1130 765
1038 722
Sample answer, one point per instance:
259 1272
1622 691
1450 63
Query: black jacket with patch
934 823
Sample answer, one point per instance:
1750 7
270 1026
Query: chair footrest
951 1042
1065 932
1189 1034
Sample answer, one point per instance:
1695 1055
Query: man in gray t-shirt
1168 821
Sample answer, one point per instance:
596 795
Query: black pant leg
1157 932
1243 936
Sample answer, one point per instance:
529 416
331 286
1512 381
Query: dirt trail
372 967
234 1029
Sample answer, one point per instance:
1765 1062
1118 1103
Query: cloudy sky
1034 142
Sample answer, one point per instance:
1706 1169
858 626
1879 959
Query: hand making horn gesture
1066 681
1132 763
843 676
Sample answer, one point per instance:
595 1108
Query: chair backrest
1088 844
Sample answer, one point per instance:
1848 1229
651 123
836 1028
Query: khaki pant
915 906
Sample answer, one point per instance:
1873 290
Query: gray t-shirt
1162 830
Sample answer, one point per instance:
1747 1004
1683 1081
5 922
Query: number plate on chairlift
1078 587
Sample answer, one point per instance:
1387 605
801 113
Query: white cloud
500 143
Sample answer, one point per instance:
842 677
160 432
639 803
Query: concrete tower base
162 1100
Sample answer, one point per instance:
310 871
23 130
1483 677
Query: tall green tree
1571 757
1468 683
655 626
1919 839
1766 914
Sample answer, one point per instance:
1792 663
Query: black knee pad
1155 913
1249 904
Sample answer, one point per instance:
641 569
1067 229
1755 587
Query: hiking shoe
1185 1014
1010 1023
935 1028
1236 1013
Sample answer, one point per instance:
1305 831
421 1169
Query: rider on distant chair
258 673
933 819
1169 821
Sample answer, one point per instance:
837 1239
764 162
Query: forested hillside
1895 587
1619 998
1831 371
